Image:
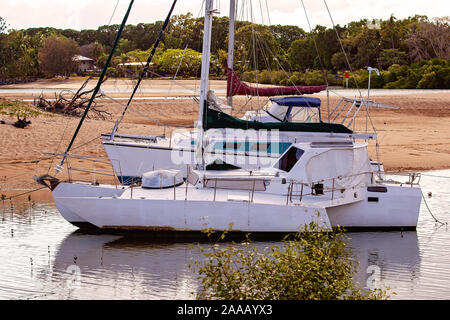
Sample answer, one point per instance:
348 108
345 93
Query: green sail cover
213 119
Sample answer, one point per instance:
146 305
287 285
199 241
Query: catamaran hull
81 190
396 208
192 216
94 206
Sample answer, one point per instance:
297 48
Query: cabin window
306 114
260 147
276 111
232 145
289 159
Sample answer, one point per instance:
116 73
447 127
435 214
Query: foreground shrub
310 265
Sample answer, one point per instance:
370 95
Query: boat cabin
288 109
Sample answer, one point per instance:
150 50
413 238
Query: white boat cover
161 179
350 168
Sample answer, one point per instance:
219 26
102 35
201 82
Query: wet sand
414 138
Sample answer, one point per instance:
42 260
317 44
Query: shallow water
43 257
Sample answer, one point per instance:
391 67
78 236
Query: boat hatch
236 184
332 144
289 159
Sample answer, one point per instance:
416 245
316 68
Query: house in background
84 64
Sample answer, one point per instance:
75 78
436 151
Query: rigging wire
172 82
99 83
434 176
343 50
145 69
268 15
325 75
114 11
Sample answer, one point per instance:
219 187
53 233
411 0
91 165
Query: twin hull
398 208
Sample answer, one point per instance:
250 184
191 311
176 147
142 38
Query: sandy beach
415 137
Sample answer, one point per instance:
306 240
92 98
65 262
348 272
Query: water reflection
115 267
44 257
112 266
394 256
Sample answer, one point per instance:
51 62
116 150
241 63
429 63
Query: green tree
56 56
18 54
301 54
256 48
3 25
389 57
124 46
313 265
189 62
97 51
339 62
107 34
285 35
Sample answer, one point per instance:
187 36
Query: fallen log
73 104
21 123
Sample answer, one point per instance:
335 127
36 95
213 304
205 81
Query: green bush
279 76
18 109
431 74
187 62
112 72
265 77
249 76
311 265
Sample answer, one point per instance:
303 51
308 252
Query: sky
90 14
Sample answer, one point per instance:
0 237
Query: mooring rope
434 176
429 210
22 194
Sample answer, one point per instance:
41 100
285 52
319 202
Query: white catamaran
320 174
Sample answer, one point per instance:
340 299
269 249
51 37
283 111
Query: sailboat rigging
99 83
321 168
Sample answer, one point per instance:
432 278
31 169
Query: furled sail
236 87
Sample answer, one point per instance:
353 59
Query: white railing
92 171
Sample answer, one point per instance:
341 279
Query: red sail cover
236 87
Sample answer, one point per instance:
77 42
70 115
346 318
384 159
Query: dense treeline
411 52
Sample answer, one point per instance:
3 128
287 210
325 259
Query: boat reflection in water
387 260
112 267
131 268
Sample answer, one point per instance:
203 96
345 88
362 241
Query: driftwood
21 123
74 105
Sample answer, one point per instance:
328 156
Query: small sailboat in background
294 118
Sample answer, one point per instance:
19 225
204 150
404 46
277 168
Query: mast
99 83
145 69
204 79
231 46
